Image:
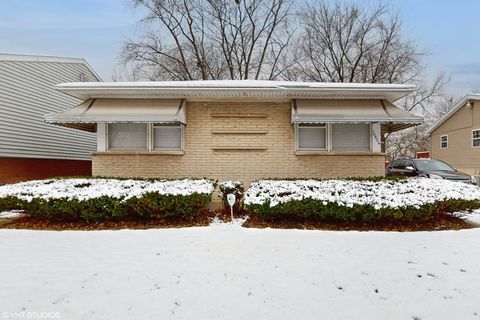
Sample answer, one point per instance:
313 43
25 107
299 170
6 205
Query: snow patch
472 217
237 273
11 214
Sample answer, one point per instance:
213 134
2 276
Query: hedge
147 205
359 199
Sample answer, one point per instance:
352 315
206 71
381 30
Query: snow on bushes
359 199
99 199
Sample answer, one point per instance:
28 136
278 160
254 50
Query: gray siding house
29 148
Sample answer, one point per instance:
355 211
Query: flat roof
235 90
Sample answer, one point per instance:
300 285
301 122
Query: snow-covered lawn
228 272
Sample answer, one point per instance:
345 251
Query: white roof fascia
234 88
35 58
452 111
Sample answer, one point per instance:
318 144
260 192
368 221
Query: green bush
150 205
154 205
317 210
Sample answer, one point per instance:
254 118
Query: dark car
429 168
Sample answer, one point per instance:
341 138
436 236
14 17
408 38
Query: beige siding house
455 138
242 130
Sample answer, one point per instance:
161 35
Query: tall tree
211 39
348 42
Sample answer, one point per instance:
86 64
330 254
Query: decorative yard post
231 202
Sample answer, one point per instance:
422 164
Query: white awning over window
391 117
86 115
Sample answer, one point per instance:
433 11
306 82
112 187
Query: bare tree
212 39
433 103
346 42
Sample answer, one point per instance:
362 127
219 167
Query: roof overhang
452 111
384 112
92 111
235 90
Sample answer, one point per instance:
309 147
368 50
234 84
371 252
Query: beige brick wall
277 161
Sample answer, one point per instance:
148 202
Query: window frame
152 136
329 142
441 142
107 138
473 139
297 136
370 140
150 143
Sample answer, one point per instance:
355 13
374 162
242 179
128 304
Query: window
127 136
311 137
399 164
333 137
351 136
168 136
476 138
444 142
145 136
409 163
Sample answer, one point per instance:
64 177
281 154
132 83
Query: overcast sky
95 29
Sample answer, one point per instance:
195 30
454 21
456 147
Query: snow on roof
236 88
451 112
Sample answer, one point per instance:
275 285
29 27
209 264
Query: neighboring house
29 148
455 137
242 130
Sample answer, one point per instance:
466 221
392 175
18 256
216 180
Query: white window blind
167 136
127 136
312 137
351 136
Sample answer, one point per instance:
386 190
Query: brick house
242 130
29 148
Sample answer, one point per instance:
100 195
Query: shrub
107 199
363 200
154 205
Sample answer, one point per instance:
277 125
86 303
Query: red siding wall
21 169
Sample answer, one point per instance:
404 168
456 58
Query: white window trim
475 139
441 142
328 143
327 138
150 140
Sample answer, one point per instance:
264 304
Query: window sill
338 153
147 153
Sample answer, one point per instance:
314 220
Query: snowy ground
229 272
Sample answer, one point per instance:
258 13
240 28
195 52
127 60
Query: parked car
429 168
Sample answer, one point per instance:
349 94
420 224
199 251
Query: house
29 148
455 137
241 130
